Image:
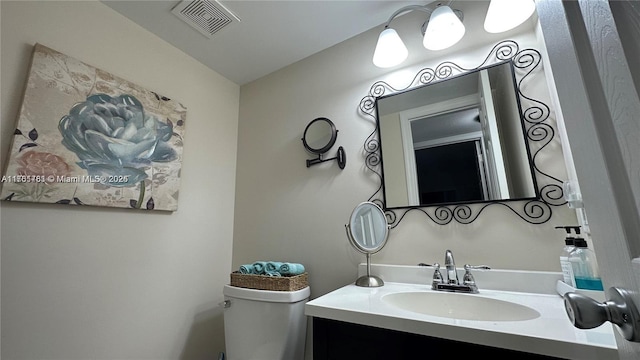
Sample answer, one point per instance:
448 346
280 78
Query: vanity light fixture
444 28
505 15
390 50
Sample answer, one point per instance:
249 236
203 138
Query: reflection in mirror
368 227
367 232
455 141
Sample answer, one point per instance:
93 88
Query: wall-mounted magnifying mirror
368 232
319 136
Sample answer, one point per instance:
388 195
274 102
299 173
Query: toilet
262 324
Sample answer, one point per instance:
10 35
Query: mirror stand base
369 281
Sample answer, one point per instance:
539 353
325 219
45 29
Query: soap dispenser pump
565 265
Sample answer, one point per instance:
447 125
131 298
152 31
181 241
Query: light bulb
390 50
443 30
505 15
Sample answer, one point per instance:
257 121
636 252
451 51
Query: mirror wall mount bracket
319 136
538 133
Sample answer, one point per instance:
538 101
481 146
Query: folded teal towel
259 267
247 269
273 266
272 273
291 269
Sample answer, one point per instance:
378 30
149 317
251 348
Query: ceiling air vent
206 16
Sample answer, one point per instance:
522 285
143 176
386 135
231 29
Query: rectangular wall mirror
460 140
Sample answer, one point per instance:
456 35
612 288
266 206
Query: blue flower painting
115 139
121 144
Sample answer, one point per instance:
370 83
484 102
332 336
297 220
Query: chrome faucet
453 284
450 265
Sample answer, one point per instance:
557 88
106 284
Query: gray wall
80 283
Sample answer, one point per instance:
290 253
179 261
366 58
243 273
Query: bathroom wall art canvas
87 137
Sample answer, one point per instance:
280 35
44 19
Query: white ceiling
271 34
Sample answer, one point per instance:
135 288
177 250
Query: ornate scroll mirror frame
538 129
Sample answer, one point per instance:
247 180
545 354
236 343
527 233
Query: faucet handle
468 278
437 275
468 267
435 266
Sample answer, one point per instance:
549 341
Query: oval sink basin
460 306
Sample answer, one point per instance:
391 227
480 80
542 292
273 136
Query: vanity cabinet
337 340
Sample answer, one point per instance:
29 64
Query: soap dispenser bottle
565 265
584 266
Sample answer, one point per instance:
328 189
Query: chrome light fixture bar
444 28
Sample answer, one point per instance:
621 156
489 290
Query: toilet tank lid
267 295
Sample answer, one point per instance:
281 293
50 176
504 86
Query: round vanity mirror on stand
368 232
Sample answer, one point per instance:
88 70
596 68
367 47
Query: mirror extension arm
341 157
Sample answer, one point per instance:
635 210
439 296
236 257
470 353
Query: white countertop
550 334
